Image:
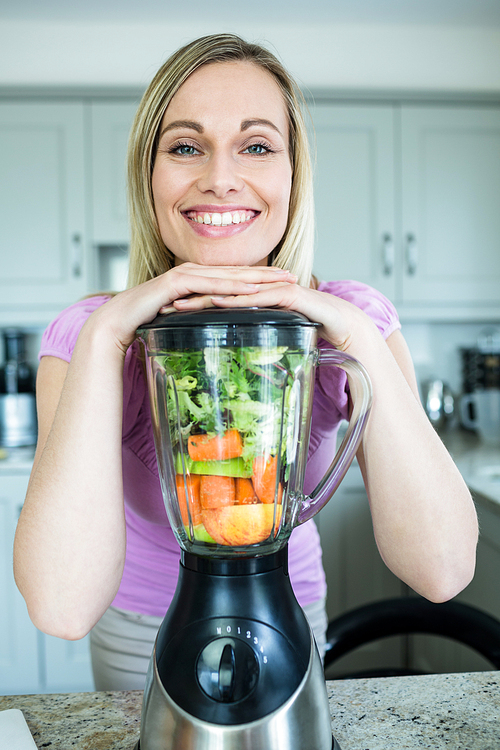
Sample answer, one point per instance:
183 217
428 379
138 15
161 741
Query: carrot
245 493
216 492
264 478
205 448
193 487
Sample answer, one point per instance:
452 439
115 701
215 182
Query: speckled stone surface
459 711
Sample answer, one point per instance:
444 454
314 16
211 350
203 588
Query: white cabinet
19 665
355 572
408 200
450 205
443 655
42 206
30 662
110 127
354 194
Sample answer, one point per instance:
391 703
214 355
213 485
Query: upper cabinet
354 194
450 205
408 200
42 205
110 127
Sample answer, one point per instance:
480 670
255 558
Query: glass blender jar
235 664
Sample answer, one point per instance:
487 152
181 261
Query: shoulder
59 338
370 300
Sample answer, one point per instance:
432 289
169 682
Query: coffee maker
18 422
235 664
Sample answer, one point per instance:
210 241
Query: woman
221 215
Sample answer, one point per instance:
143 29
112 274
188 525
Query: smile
220 219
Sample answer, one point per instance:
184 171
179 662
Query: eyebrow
193 125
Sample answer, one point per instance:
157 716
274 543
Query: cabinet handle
411 254
76 254
387 254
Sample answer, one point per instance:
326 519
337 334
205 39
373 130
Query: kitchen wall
344 56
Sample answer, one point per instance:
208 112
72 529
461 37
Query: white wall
340 56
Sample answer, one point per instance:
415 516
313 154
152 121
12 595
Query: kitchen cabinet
110 127
30 661
19 639
354 187
43 237
428 653
355 572
408 200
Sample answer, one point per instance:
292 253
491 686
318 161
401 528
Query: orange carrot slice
245 493
264 478
216 492
193 487
216 448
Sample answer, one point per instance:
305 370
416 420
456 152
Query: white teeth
224 219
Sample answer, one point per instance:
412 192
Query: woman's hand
419 502
341 322
187 286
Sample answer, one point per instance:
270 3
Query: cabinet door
42 237
354 194
355 572
451 205
19 639
433 653
68 666
111 123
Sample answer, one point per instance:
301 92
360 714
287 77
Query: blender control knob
227 670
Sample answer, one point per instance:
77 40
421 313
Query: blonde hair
148 255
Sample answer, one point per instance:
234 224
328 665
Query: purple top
152 559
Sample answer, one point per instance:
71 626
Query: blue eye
259 149
183 149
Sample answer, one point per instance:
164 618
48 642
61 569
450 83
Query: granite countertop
393 713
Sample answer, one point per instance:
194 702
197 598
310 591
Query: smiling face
222 174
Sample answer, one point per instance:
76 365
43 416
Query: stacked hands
190 286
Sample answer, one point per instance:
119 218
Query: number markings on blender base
246 635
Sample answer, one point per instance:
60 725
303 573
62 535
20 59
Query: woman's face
222 174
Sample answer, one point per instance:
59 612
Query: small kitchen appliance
235 664
18 423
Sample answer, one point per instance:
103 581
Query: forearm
423 516
70 542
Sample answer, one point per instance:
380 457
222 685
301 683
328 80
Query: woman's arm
424 519
69 547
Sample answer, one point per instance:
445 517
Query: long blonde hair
148 255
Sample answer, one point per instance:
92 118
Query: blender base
335 745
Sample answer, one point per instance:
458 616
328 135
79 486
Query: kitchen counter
394 713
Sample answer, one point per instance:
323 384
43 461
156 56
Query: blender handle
362 400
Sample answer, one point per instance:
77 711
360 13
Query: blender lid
217 316
244 326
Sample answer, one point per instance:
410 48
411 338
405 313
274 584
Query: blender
235 665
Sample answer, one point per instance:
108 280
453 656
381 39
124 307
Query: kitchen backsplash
435 347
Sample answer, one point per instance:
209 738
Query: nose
220 176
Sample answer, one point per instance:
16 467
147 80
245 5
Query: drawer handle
411 254
77 254
387 254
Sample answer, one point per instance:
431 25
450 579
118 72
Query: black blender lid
217 316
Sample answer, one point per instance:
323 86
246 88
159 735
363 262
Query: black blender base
335 745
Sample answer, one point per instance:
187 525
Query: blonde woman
220 198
